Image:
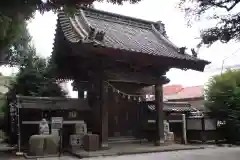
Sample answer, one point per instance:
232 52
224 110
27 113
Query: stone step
114 140
120 138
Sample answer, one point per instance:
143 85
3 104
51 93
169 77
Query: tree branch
221 4
233 5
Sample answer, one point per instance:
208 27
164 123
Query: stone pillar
159 113
103 112
184 129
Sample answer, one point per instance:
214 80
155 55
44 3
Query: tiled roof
53 103
167 90
172 89
187 93
120 32
174 107
177 92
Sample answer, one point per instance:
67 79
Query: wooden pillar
159 113
103 111
203 133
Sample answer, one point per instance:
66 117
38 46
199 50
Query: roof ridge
165 40
116 14
117 17
193 86
68 30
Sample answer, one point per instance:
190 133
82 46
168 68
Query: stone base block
51 144
36 145
40 145
170 138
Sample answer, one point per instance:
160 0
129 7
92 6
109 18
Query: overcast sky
42 29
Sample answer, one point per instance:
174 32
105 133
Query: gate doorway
123 119
177 129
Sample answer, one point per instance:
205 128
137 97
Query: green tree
228 26
16 51
35 78
223 102
13 36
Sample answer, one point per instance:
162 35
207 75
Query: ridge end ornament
91 33
100 35
182 50
194 53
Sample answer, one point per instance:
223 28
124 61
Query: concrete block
36 145
51 144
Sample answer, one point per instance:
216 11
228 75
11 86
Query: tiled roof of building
187 93
174 107
120 32
172 89
177 92
167 90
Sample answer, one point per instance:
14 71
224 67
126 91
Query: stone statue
168 136
43 127
166 127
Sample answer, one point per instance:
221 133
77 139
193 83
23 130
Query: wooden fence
201 129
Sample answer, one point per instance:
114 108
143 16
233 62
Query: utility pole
227 58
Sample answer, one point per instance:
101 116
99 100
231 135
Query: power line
235 66
209 69
227 58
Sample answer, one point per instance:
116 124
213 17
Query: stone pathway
60 158
134 149
217 153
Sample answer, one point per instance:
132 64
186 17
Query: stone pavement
217 153
222 153
59 158
114 151
134 149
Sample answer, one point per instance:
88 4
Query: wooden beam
131 78
134 77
